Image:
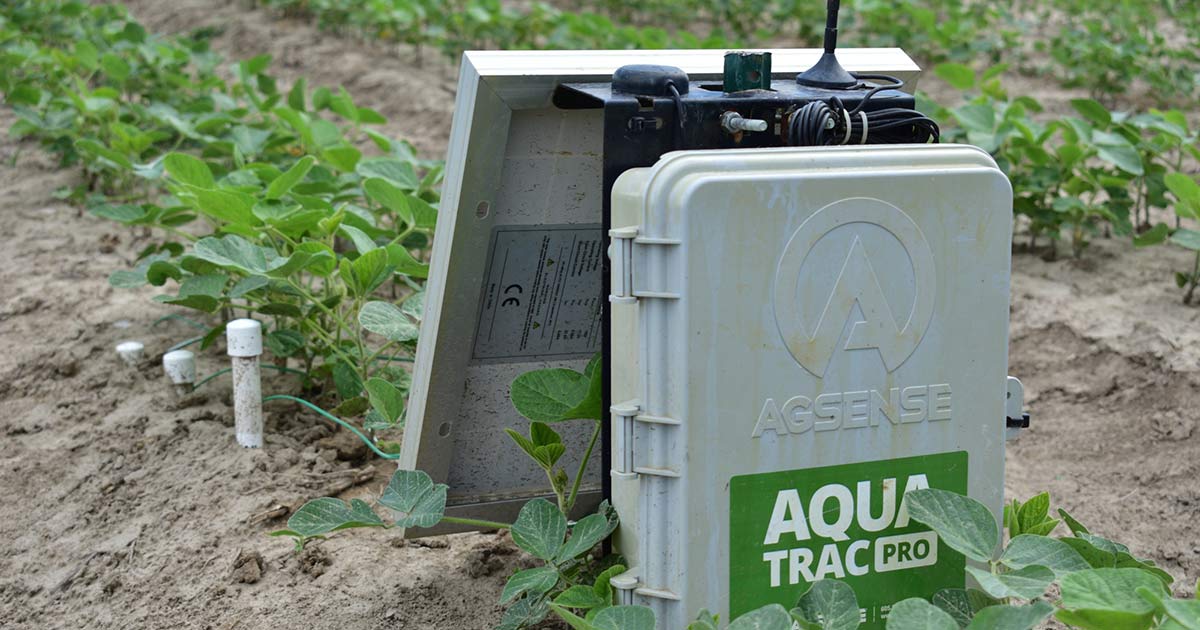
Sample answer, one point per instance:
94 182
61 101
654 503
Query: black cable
824 123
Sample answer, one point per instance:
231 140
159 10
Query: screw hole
482 210
444 429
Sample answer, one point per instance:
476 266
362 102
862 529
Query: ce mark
512 301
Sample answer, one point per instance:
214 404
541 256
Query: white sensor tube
244 340
180 367
131 352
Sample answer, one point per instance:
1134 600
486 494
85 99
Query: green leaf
385 398
915 613
1189 239
247 285
586 534
548 455
828 605
1153 236
284 182
1005 617
105 154
115 67
624 618
362 242
956 603
413 494
255 65
295 98
978 117
396 171
342 158
1107 599
525 613
1075 526
1026 583
370 270
235 252
540 529
959 76
225 205
1092 110
963 523
532 581
603 584
390 197
1184 612
123 213
705 621
324 515
189 170
1118 151
1183 186
387 320
285 342
769 617
404 263
1096 557
1034 511
346 380
591 406
547 395
1027 549
580 596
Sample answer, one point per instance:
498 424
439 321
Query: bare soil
128 507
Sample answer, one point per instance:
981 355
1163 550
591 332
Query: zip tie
846 140
866 125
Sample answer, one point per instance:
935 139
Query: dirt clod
248 567
314 561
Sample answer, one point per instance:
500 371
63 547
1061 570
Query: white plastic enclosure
799 337
520 171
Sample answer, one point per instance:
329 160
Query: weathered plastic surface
803 310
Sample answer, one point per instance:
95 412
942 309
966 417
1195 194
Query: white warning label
542 296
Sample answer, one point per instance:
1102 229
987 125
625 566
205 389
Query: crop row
1109 47
259 201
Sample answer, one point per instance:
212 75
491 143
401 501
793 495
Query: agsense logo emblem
895 327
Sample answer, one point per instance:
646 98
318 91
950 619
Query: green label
791 528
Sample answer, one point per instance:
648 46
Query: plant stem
587 455
475 522
1187 298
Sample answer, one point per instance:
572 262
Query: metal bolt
732 122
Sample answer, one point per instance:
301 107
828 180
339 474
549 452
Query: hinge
624 253
624 585
622 436
621 255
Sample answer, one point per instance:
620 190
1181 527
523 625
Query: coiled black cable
824 123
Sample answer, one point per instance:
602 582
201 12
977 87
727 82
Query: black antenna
828 72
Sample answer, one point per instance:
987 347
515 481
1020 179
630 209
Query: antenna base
827 73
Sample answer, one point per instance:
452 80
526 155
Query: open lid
523 177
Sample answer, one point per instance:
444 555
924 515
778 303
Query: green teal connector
747 71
